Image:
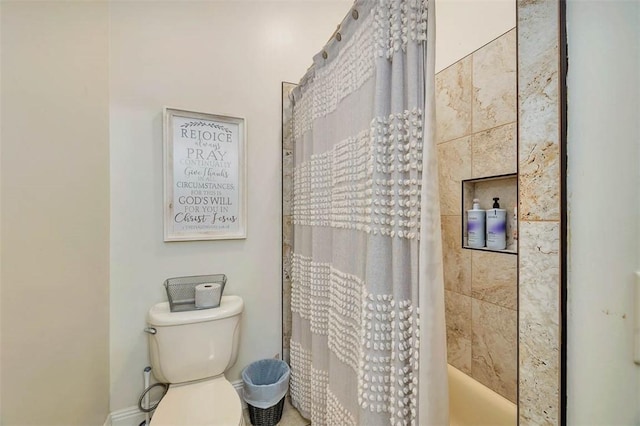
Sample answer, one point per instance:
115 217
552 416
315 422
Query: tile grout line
472 133
481 300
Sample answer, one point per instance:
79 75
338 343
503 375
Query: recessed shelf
485 189
488 249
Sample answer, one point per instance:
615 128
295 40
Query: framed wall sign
204 176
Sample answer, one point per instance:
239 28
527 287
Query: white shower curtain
368 338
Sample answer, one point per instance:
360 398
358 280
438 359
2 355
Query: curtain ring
324 54
338 36
354 13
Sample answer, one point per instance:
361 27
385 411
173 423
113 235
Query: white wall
55 213
604 210
219 57
463 26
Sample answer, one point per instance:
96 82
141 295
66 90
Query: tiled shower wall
287 223
476 132
540 86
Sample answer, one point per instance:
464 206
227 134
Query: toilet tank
194 345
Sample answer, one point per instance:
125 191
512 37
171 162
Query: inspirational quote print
206 193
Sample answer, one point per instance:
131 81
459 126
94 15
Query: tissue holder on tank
181 291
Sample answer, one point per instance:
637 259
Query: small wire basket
181 291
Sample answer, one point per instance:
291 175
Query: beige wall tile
505 189
453 101
286 314
539 186
495 151
457 261
287 116
494 83
454 165
494 278
459 353
494 347
287 211
539 122
458 320
539 321
287 246
539 180
287 182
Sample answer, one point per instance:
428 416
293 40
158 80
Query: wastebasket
265 385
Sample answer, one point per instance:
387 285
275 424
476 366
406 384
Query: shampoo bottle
475 225
496 227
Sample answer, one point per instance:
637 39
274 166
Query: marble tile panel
286 315
495 151
494 278
453 101
454 165
287 211
539 123
458 314
494 83
539 180
456 260
494 348
287 182
458 323
539 322
287 249
287 116
287 245
459 353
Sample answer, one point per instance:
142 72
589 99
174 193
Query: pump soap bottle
475 225
496 227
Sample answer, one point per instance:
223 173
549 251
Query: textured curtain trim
433 382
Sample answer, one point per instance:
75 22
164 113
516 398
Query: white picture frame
204 176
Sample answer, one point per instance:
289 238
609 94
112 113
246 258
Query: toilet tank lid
161 315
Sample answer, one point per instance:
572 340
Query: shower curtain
368 338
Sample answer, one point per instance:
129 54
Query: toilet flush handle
150 330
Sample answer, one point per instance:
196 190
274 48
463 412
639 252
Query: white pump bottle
476 225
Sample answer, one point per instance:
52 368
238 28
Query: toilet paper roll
208 295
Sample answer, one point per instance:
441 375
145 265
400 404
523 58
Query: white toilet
191 351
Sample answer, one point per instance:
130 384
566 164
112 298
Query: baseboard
132 416
239 387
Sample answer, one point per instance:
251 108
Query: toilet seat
208 402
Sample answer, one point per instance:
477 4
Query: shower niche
485 189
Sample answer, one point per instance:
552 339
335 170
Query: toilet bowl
191 351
